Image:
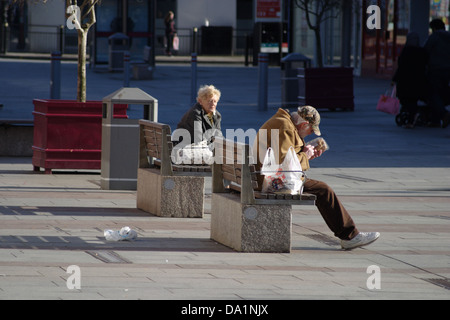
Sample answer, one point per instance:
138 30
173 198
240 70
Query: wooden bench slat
228 168
153 151
235 188
240 172
229 176
153 139
156 143
153 134
191 168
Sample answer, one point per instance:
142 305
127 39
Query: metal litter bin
120 139
118 44
289 79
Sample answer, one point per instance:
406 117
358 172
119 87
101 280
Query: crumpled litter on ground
126 233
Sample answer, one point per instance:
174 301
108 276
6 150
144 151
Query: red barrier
68 134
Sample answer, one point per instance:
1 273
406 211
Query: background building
348 42
231 27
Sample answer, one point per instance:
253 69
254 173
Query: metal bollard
61 38
194 39
247 48
126 69
193 77
263 60
55 75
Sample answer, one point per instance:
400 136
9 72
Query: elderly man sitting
291 129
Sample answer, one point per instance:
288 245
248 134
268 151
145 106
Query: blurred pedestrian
410 78
438 49
170 31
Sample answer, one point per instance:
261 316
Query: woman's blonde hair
208 91
168 14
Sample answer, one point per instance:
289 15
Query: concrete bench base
170 196
250 228
16 141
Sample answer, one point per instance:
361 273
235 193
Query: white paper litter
126 233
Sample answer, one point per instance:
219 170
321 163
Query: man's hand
311 152
317 153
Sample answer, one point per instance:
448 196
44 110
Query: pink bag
176 43
389 104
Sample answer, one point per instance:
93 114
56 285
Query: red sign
268 9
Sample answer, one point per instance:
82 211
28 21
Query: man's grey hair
296 119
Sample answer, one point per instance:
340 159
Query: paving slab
391 180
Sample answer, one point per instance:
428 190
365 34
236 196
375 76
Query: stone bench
163 188
16 137
243 218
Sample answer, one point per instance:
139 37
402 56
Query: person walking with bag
290 130
171 32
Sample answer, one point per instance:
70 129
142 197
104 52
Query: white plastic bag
126 233
196 153
293 173
284 178
271 171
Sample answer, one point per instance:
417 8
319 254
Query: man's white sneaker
362 239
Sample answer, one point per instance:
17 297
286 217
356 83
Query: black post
3 26
247 44
55 75
152 30
61 39
194 39
263 76
193 77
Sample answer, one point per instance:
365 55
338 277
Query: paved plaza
392 180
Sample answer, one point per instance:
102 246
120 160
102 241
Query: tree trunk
318 47
81 83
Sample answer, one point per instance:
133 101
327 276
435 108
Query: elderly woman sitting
195 132
202 121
